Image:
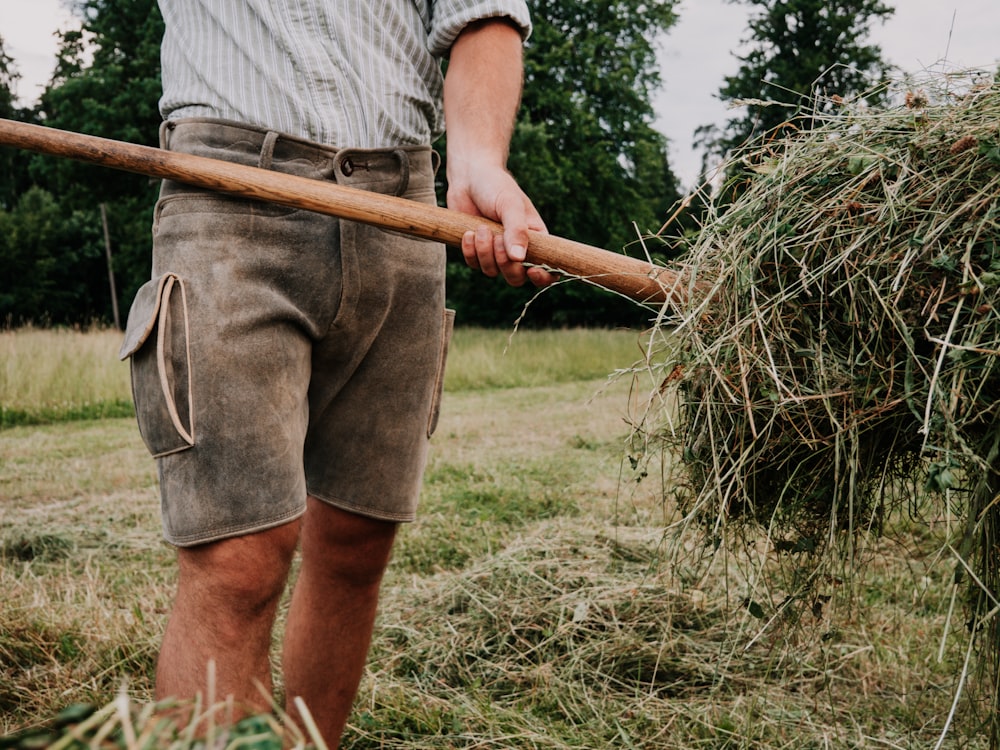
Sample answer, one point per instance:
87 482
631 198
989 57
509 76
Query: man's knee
345 545
244 575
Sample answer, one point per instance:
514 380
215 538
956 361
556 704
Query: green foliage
798 49
13 163
590 72
54 414
585 150
106 82
50 259
52 240
114 95
8 82
59 374
489 358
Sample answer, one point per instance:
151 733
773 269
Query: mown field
546 598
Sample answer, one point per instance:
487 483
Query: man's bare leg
333 612
227 597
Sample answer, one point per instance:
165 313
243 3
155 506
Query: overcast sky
922 35
694 57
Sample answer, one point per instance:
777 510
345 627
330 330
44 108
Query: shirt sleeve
449 17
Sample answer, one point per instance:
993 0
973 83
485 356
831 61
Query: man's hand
490 191
481 95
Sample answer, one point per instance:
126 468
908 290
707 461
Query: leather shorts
278 353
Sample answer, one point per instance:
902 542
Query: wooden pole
632 277
111 270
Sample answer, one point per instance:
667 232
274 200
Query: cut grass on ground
540 601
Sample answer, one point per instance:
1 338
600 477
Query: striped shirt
348 73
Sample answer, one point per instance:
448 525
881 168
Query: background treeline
584 148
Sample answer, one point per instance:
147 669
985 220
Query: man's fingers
495 195
517 252
503 254
487 252
480 251
469 249
513 271
512 214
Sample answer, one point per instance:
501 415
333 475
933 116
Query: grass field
544 599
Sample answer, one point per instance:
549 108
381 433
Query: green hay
851 334
843 362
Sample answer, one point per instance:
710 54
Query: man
286 365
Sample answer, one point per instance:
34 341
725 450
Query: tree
107 83
8 82
47 276
13 163
584 146
799 48
585 150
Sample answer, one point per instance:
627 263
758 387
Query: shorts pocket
157 338
447 326
180 200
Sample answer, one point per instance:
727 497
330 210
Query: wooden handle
634 278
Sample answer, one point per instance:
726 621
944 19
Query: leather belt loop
166 128
404 171
267 150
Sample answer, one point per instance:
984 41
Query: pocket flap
143 313
157 340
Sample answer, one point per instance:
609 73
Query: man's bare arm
482 92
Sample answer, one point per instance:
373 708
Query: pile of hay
850 336
845 359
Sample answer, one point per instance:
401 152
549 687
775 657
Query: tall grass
53 375
482 359
49 375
